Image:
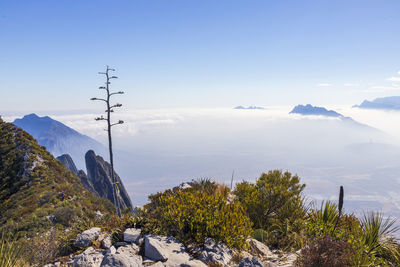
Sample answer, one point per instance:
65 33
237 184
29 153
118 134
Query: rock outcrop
99 175
67 161
98 178
87 183
216 252
85 238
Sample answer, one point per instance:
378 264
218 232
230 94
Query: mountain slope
59 138
36 190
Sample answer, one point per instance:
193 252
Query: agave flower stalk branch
108 111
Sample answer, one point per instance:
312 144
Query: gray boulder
190 263
166 249
259 249
132 235
106 243
85 238
250 262
124 256
89 258
215 252
121 260
131 249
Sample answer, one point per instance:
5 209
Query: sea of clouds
157 149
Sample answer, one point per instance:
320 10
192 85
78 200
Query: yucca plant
11 252
376 235
327 214
322 221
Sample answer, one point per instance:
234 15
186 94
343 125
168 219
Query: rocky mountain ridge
36 190
98 178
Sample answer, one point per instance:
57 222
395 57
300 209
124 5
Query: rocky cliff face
67 161
87 183
99 175
98 178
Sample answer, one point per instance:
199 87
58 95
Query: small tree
275 204
108 111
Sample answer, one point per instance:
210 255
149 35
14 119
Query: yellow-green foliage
194 214
274 203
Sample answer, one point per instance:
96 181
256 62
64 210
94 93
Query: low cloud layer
158 149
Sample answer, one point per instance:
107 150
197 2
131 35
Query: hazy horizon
158 149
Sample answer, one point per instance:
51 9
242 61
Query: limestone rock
258 249
106 242
89 258
124 256
131 249
132 235
215 252
250 262
121 260
85 238
166 249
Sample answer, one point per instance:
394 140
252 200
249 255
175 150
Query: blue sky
187 53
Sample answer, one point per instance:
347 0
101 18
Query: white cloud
324 84
379 89
394 79
351 84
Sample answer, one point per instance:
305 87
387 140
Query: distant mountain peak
58 138
314 110
386 103
249 107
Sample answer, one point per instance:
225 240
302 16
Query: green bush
274 203
64 215
192 215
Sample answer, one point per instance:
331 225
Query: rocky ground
159 251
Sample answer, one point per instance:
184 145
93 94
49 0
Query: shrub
325 251
64 215
274 203
192 215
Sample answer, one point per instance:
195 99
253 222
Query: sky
187 53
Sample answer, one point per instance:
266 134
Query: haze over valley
159 148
